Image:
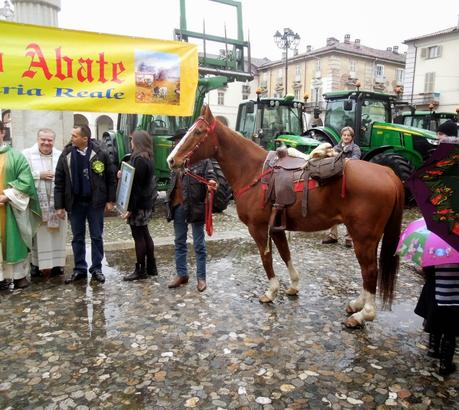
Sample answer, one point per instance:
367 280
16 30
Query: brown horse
372 206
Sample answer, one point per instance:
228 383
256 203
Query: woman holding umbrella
439 300
435 186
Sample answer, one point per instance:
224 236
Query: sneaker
329 240
77 276
98 276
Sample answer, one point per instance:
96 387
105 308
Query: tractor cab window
372 111
246 124
337 118
161 125
282 119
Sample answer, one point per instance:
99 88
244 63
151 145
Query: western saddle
291 172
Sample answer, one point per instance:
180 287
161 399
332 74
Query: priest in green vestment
20 215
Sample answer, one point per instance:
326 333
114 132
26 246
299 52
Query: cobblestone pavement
141 345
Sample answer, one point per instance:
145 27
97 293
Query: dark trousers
82 212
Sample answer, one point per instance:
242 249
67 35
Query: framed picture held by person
124 188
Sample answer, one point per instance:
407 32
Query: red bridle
210 188
210 131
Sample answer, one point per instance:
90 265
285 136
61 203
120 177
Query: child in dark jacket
439 306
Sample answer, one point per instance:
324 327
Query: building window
297 94
298 72
245 91
433 52
352 66
280 75
221 98
429 83
400 76
379 71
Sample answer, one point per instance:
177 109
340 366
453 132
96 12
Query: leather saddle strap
304 200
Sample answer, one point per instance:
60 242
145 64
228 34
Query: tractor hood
405 129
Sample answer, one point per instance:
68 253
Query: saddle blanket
298 186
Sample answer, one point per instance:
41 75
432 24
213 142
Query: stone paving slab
140 345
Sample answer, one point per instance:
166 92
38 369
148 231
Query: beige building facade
337 66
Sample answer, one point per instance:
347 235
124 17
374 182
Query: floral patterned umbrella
435 187
419 245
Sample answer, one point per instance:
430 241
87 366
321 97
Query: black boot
434 345
152 270
447 347
139 273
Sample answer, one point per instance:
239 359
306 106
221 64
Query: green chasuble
17 174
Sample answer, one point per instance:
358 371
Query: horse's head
198 143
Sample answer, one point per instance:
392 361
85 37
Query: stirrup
278 219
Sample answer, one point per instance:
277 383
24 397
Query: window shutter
424 52
439 51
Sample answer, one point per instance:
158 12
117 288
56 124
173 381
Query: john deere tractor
428 120
273 121
400 147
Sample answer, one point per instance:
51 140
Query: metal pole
286 66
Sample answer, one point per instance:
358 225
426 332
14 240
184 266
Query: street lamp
6 12
288 40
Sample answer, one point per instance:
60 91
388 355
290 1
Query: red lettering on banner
1 62
101 61
41 63
84 73
68 65
115 71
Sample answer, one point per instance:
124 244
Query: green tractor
163 130
400 147
428 120
273 121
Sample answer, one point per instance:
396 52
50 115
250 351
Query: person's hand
212 185
60 213
118 174
3 199
47 175
109 206
441 137
126 215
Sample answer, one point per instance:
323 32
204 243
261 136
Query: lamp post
288 40
6 12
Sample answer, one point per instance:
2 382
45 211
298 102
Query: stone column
25 124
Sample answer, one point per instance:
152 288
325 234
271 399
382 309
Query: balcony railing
422 98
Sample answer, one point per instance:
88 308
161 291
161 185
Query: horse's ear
207 114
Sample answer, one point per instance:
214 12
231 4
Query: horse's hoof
292 292
264 299
352 323
349 309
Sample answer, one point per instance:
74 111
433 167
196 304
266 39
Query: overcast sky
377 24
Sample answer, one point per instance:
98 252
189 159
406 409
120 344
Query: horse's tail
388 261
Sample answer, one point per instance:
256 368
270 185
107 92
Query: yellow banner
44 68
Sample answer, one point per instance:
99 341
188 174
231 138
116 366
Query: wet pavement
141 345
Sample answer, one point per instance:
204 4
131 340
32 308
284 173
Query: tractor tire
224 192
108 146
402 168
399 164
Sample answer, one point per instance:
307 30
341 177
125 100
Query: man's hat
179 134
448 128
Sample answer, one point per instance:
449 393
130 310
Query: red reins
210 187
209 203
